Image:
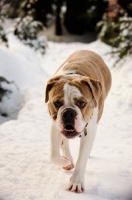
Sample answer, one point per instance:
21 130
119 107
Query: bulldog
75 97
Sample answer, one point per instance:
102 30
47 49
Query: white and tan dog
75 97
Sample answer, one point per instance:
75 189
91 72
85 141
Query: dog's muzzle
68 119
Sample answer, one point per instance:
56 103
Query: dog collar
85 131
73 73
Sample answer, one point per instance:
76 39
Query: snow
21 65
26 172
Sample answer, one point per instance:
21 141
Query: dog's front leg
77 179
56 140
66 153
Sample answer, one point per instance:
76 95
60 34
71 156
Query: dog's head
71 100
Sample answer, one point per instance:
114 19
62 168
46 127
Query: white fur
57 129
79 122
56 140
70 92
77 180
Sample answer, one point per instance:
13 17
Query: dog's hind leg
66 153
55 156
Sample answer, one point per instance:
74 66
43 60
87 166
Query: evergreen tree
58 26
3 92
26 28
127 6
38 9
117 34
82 15
75 17
3 37
95 11
124 38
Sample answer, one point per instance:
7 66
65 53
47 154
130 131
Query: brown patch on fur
95 80
91 65
52 110
95 88
69 167
56 93
87 110
49 86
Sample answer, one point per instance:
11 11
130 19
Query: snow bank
25 169
19 65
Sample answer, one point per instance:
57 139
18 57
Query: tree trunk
58 27
75 17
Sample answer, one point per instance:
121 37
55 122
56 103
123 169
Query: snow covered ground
26 172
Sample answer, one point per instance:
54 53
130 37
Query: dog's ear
95 87
49 86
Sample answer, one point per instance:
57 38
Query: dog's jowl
75 97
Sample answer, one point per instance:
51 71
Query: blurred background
67 21
35 22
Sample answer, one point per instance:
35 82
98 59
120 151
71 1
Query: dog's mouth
70 132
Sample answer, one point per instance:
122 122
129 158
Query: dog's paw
76 185
69 166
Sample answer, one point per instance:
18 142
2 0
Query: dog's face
71 101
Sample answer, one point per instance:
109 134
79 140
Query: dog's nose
69 114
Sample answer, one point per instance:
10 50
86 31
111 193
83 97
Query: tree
58 26
37 8
75 17
127 6
95 11
3 37
26 27
82 15
115 29
124 38
3 92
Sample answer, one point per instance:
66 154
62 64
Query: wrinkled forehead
71 92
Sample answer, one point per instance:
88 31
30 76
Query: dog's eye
81 104
58 104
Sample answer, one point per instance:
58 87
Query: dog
75 97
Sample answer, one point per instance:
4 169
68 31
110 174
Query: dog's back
88 63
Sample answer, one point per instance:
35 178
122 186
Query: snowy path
25 170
